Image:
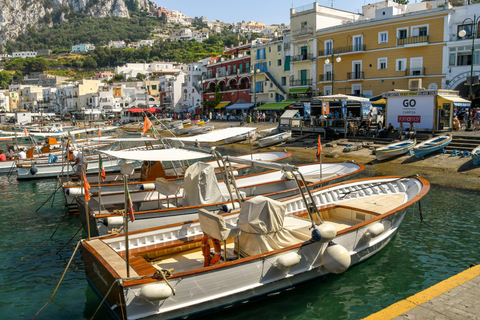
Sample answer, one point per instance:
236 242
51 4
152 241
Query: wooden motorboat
200 129
154 208
432 145
241 137
275 139
394 149
152 169
263 248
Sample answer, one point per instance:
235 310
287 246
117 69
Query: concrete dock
455 298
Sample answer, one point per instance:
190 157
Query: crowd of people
11 155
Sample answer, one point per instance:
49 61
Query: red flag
99 133
86 187
146 125
25 131
129 208
103 175
319 148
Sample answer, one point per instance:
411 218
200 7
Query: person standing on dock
78 164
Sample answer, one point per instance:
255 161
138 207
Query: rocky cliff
16 16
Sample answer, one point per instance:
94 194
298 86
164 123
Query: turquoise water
422 254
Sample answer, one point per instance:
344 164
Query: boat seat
214 226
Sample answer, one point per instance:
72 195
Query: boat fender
74 191
375 230
326 232
155 291
287 261
229 206
235 173
33 170
288 175
147 186
336 258
113 221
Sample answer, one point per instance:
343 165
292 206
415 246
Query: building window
327 90
279 62
467 28
279 48
284 81
382 63
401 64
269 49
419 31
402 33
328 47
357 43
269 63
303 24
383 37
356 89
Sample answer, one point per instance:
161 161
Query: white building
24 54
4 102
191 96
117 44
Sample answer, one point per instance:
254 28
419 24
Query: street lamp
462 33
254 73
328 61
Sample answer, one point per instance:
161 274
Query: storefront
429 110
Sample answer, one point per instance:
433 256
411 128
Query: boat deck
378 204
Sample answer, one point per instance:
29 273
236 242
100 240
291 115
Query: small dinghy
275 139
432 145
395 149
476 155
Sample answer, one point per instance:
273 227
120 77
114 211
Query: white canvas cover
261 223
217 135
172 154
200 185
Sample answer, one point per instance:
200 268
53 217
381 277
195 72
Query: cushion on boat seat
214 225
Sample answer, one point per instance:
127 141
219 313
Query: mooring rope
104 298
59 282
71 238
49 198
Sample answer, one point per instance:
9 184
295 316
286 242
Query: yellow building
396 50
13 99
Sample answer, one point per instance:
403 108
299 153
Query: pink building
104 75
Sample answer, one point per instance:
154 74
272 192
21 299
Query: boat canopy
172 154
217 135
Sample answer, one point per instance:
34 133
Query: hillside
23 16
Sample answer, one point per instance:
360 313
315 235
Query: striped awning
222 104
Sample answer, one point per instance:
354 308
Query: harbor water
37 243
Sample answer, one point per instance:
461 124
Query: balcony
302 57
300 82
409 72
346 49
325 77
412 40
355 75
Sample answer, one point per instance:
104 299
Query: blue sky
268 11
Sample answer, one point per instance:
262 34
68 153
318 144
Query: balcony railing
303 57
346 49
325 77
414 72
301 82
412 40
355 75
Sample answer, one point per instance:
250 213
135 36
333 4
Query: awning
138 110
239 106
275 105
222 104
298 90
289 114
381 101
456 100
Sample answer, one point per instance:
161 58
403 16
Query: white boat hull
275 139
235 282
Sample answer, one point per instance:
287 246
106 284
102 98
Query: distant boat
432 145
240 137
394 149
202 129
133 132
476 156
276 138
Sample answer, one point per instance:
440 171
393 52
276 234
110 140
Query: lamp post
328 61
254 73
462 33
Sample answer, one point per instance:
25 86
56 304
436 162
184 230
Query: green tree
119 77
35 65
141 76
5 79
89 63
